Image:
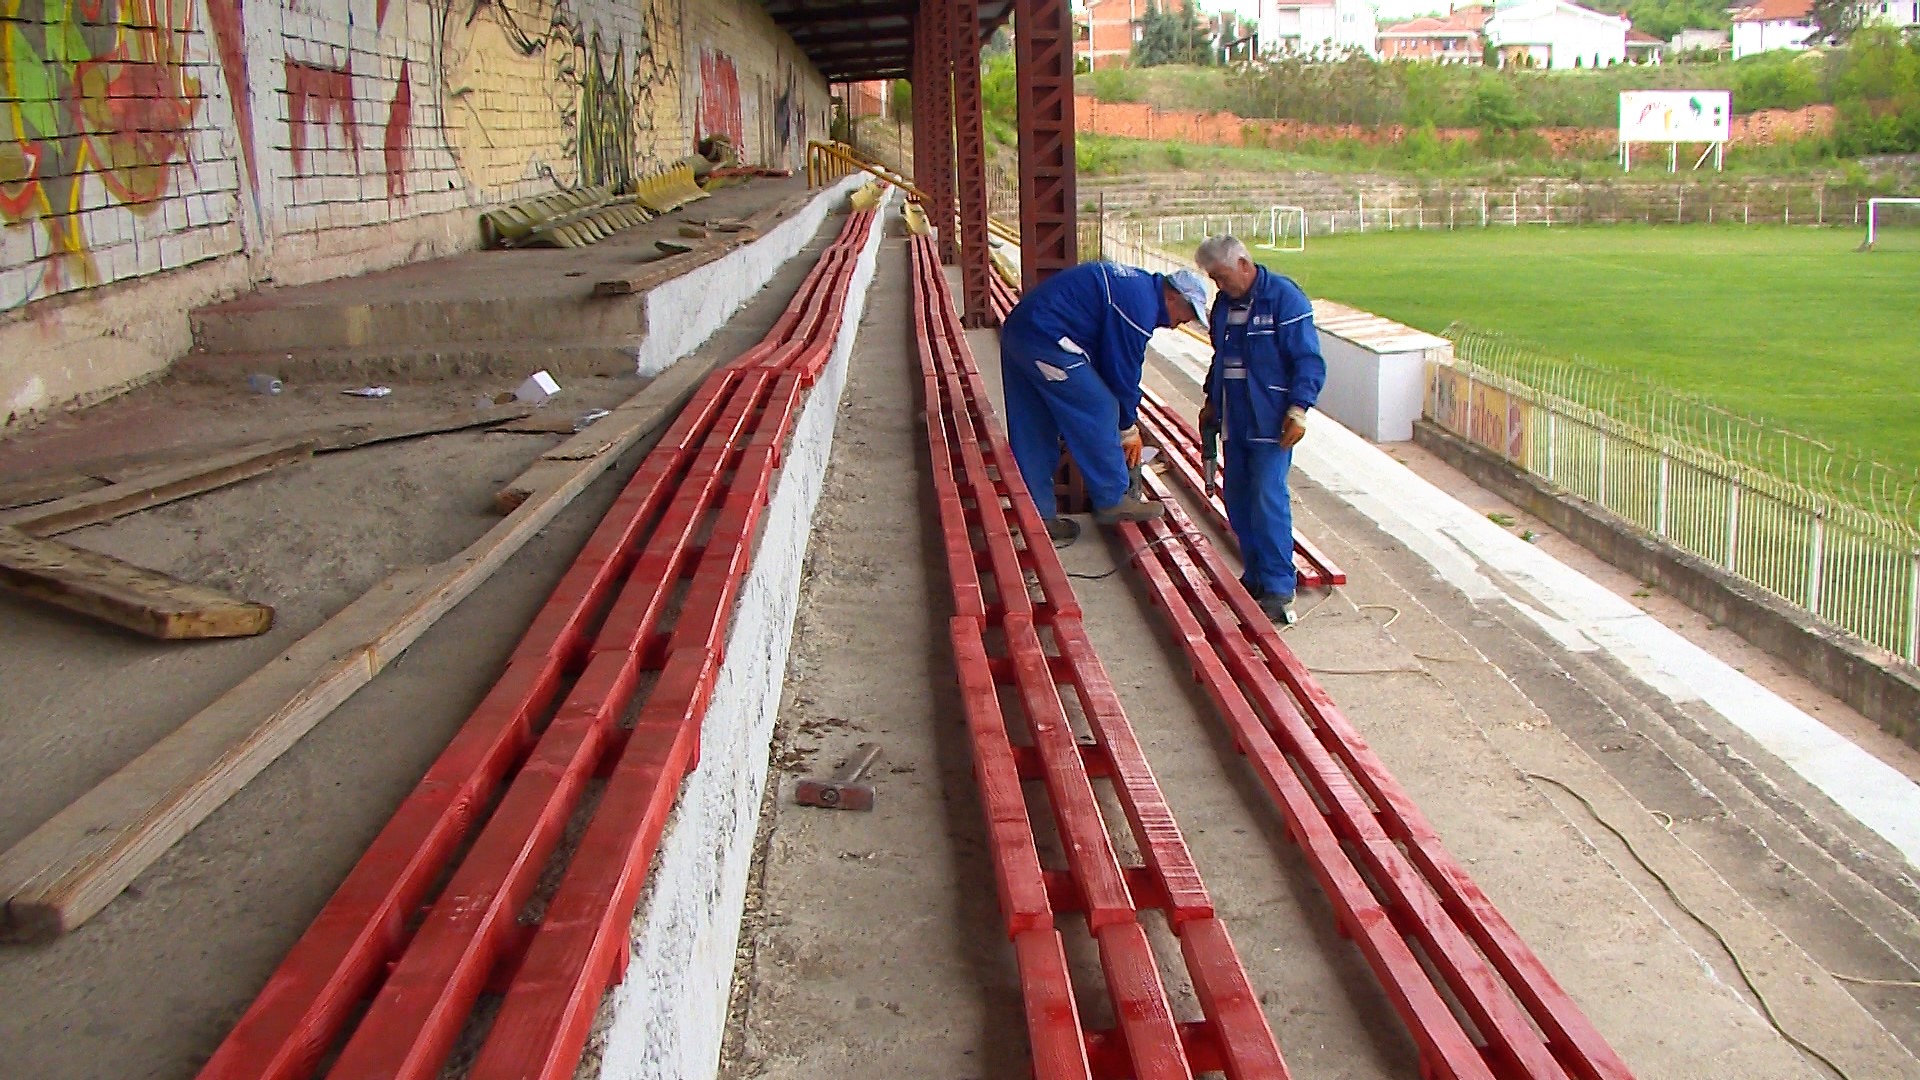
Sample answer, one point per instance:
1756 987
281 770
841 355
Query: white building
1695 39
1772 24
1318 26
1556 34
1902 13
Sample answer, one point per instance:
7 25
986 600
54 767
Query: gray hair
1221 251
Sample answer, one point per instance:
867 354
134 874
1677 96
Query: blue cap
1193 288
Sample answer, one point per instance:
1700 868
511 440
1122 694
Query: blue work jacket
1280 350
1100 310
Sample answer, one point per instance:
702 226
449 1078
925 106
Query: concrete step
267 322
414 363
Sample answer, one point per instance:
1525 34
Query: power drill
1210 455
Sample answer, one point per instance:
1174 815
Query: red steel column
939 19
971 158
1043 52
917 80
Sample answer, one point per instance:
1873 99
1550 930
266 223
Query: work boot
1279 608
1130 508
1062 531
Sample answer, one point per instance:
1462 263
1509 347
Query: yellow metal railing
830 161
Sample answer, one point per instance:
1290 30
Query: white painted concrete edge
669 1015
685 311
1463 547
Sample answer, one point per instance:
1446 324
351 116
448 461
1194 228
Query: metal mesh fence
1834 532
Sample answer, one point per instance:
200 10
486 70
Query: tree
1171 37
1837 20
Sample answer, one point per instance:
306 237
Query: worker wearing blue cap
1070 358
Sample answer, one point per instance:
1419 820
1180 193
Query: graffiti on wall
316 98
720 99
789 122
541 91
96 93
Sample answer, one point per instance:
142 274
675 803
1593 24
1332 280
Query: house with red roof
1772 24
1454 38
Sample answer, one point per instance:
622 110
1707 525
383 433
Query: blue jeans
1054 395
1261 512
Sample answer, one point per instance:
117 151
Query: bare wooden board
121 593
153 489
328 439
660 270
67 870
45 488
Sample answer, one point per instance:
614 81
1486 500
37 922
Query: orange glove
1295 427
1131 445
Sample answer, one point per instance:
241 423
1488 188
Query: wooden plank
613 434
104 587
154 489
66 871
41 489
328 439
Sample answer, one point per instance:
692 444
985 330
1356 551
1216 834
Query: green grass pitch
1789 324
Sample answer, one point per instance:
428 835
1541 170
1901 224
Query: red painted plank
548 1010
1229 1003
1140 1004
423 1005
1444 1045
1054 1035
1154 829
1076 812
1016 861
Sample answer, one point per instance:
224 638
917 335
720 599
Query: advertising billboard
1675 116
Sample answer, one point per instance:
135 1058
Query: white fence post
1553 433
1733 522
1601 495
1816 558
1913 609
1660 495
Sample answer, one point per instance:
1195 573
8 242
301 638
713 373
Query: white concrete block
683 312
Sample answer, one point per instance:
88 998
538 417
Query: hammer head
834 795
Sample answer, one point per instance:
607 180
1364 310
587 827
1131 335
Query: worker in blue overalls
1070 358
1266 373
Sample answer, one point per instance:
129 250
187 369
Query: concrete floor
881 929
872 941
151 985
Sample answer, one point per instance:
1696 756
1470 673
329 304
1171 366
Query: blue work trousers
1260 510
1053 395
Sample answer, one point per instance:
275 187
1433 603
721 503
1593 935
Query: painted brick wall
750 82
298 139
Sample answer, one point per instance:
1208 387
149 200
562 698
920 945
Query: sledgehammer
844 791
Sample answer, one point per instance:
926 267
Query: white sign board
1675 116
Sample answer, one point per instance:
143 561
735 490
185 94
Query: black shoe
1279 608
1062 531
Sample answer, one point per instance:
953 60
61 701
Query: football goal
1892 223
1286 229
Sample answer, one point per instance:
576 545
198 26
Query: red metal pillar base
976 269
1043 53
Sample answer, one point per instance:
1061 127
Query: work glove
1131 445
1206 415
1295 427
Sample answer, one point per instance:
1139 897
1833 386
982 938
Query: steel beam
976 271
1043 53
937 15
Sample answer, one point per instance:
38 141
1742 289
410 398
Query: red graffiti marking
230 37
720 99
399 123
330 92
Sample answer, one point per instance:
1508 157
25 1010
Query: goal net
1893 224
1286 229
